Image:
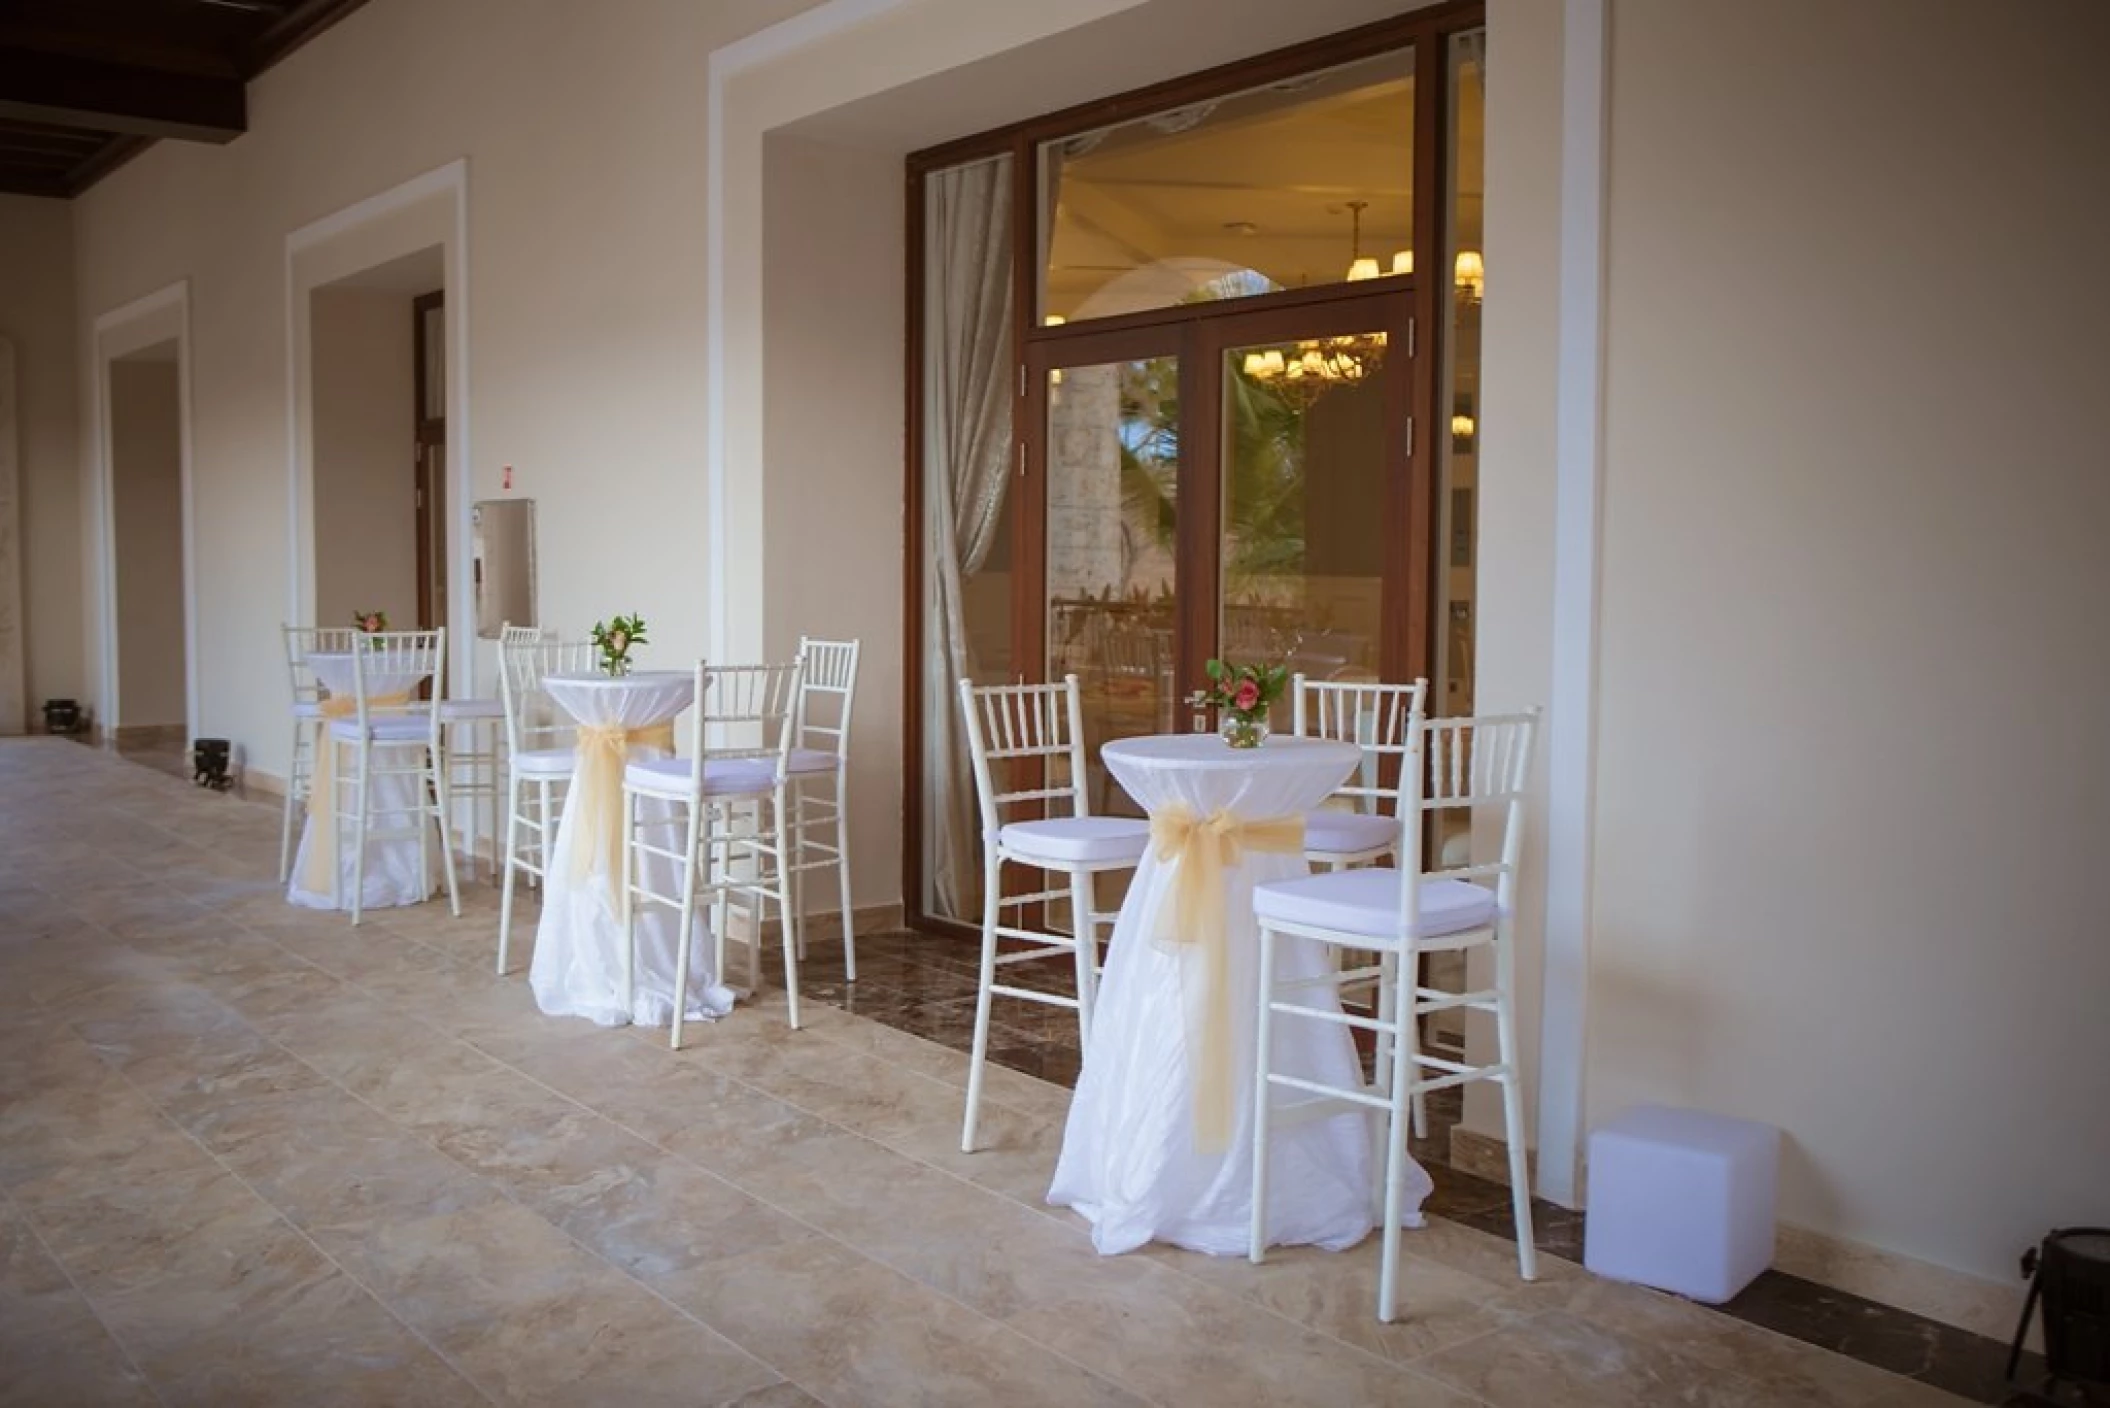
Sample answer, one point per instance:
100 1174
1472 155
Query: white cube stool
1682 1201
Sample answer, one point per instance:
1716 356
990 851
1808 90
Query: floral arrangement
371 623
1243 693
614 639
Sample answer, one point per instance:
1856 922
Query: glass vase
1244 730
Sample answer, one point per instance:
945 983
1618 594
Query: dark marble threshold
925 985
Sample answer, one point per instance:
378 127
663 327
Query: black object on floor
2070 1274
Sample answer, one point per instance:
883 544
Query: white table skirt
1129 1162
393 874
578 965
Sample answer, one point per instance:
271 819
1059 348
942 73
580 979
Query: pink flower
1248 695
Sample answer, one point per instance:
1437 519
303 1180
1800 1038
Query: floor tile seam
28 1224
286 1219
503 1193
1665 1344
1003 1327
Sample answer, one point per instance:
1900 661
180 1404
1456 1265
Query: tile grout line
36 1234
276 1211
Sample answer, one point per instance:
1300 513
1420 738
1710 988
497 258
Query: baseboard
1953 1297
149 735
818 925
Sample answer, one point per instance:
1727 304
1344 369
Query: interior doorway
379 484
145 426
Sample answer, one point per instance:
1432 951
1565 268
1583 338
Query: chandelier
1317 362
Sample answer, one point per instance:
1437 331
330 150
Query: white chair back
392 659
1380 719
1469 763
510 634
533 720
745 711
1031 735
827 690
303 641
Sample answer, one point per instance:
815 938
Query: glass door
1314 561
1104 581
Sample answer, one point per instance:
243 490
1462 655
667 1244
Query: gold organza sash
1193 916
318 873
596 807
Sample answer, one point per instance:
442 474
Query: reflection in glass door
1109 548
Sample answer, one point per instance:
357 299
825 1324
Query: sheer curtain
966 468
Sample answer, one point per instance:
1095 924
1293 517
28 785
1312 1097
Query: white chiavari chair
1361 822
541 754
1027 743
308 693
1477 765
820 775
732 791
393 735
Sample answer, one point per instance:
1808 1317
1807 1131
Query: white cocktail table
1132 1162
578 965
393 874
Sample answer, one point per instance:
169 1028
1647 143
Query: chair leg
1513 1102
795 850
842 868
1263 1061
794 939
359 834
992 902
1397 1118
1087 952
505 899
628 907
545 834
686 920
285 839
439 815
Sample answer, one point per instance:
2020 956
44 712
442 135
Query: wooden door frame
428 432
1427 32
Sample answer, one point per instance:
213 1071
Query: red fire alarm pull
508 485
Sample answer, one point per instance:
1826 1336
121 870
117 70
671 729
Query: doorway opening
379 478
145 419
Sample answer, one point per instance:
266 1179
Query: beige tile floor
250 1155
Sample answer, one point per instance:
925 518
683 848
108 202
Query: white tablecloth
392 872
1129 1159
578 965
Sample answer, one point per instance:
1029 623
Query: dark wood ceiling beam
34 183
301 22
111 97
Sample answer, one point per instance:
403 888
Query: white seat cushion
545 762
307 709
389 728
1348 833
1366 902
459 710
813 760
1067 839
672 777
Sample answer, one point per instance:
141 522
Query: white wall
365 496
37 313
1852 768
146 480
832 304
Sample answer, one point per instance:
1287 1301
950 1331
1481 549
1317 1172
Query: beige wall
146 481
584 144
37 314
1852 769
832 309
366 512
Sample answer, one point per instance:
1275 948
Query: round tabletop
1283 775
639 699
